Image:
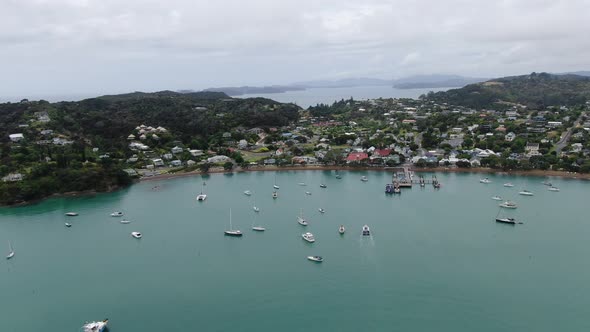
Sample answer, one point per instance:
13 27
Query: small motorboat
247 193
258 228
525 193
496 198
68 224
71 214
364 178
552 188
256 209
510 221
117 214
508 184
366 231
323 186
125 221
136 235
308 192
308 237
341 229
275 186
338 176
322 210
508 205
317 259
275 194
486 181
95 326
201 197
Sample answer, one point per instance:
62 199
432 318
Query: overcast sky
105 46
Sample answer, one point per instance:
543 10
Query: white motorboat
508 205
366 231
256 209
68 224
508 184
317 259
301 219
231 231
308 192
364 178
275 194
117 214
322 210
95 326
553 189
497 198
308 237
136 235
71 214
125 221
525 193
341 229
10 251
486 181
323 186
258 228
247 193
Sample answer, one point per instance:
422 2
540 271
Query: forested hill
534 90
83 145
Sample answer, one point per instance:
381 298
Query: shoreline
480 170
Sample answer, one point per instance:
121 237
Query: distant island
536 122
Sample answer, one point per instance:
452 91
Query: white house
510 137
158 162
176 149
16 137
13 177
532 149
176 163
196 153
218 159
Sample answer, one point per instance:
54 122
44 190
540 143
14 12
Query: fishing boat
10 251
95 326
322 210
317 259
552 188
525 192
247 193
486 181
117 214
275 184
301 219
71 214
366 231
364 178
508 205
202 197
231 231
275 194
508 184
341 229
323 186
68 224
308 237
125 221
497 198
136 235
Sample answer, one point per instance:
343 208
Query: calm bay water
436 260
314 96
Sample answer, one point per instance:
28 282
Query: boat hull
508 221
232 234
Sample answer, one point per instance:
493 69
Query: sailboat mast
230 226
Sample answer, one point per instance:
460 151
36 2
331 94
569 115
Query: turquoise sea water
436 260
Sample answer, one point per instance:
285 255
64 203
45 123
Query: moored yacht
231 231
525 192
125 221
552 188
366 231
308 192
341 229
71 214
508 184
95 326
258 228
136 235
247 193
497 198
511 221
508 205
322 210
364 178
10 251
201 197
486 181
68 224
308 237
275 194
117 214
301 219
323 186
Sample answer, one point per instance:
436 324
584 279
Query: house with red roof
357 156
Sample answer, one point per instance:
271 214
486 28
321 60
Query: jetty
403 177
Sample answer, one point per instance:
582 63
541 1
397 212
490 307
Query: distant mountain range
412 82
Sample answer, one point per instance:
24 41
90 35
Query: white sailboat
301 219
231 231
254 207
10 251
275 184
201 197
